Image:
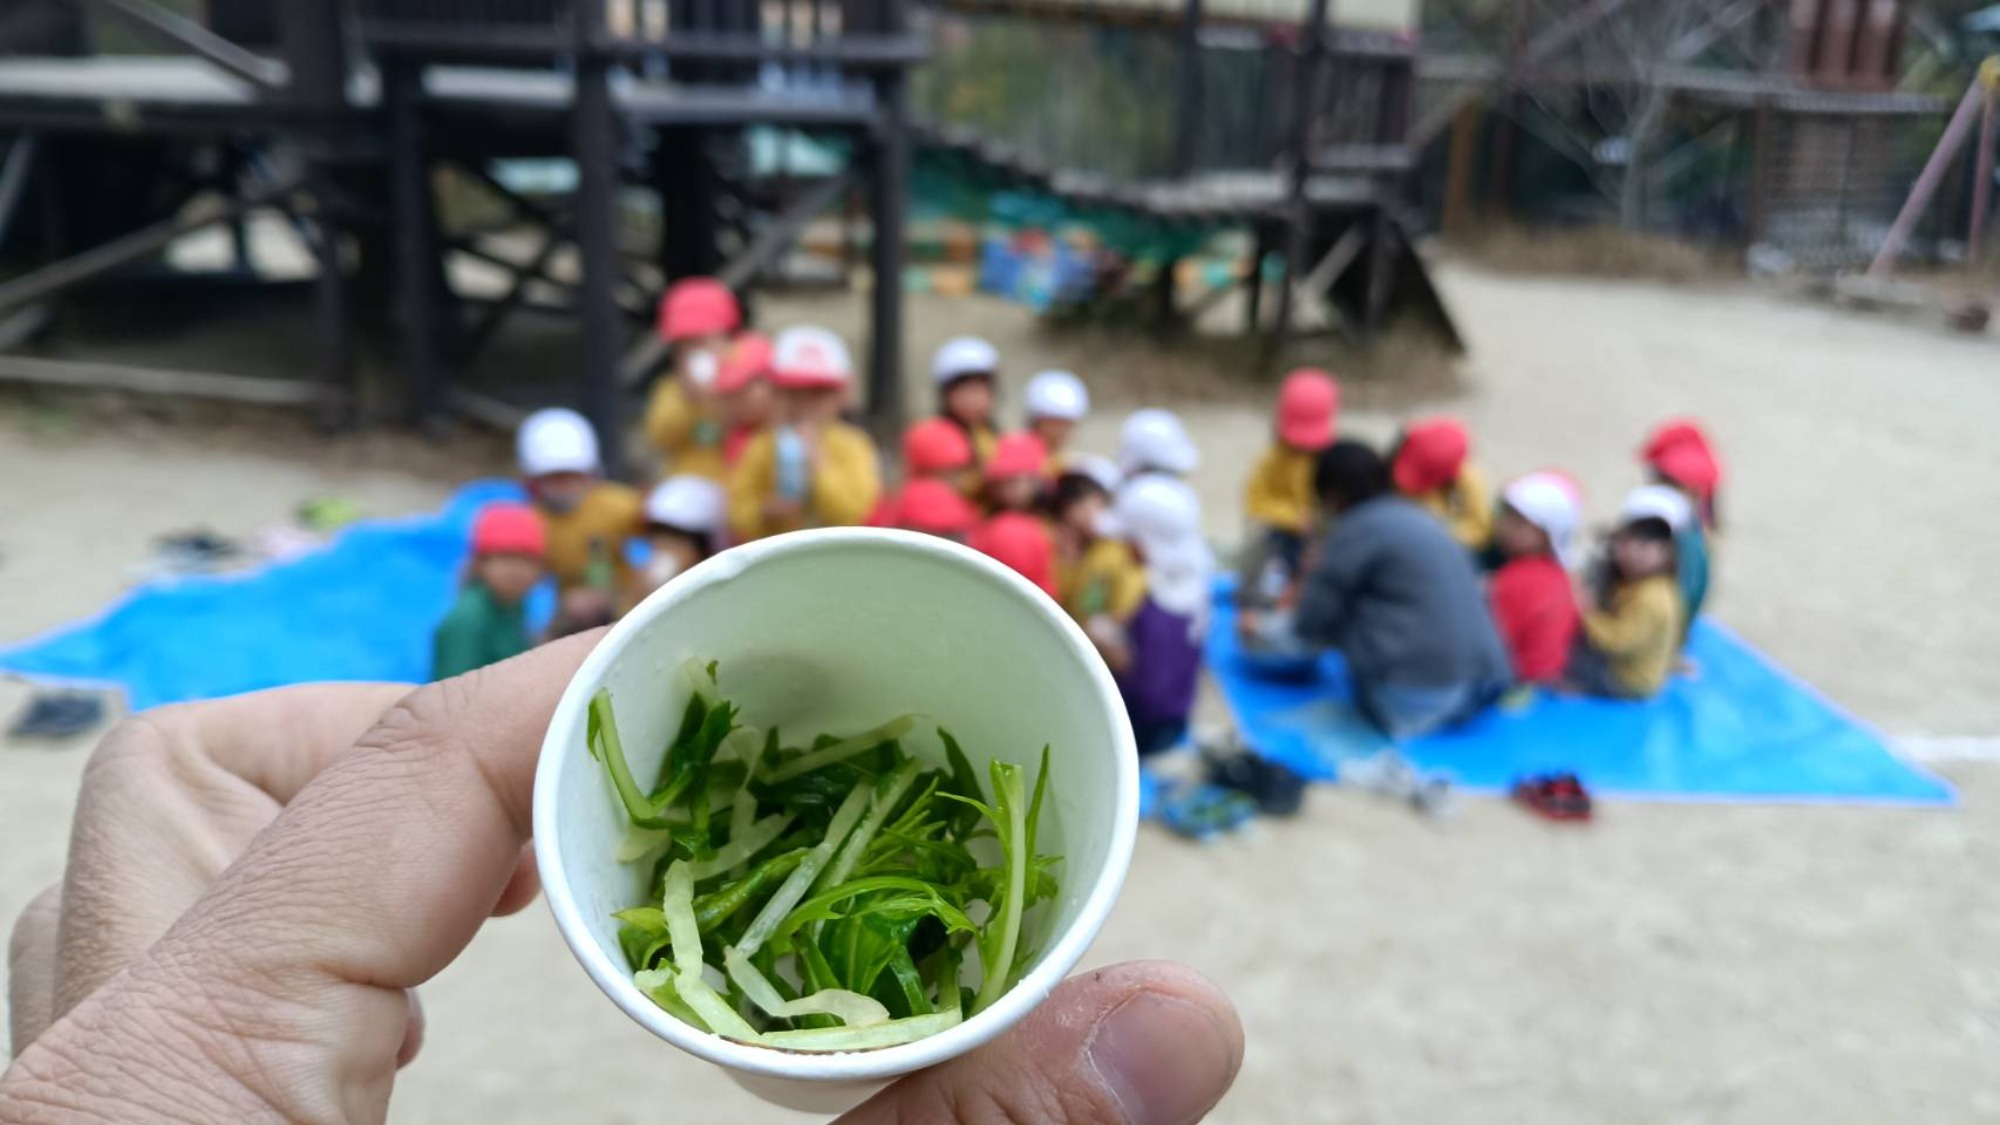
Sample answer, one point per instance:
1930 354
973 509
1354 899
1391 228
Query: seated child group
1440 596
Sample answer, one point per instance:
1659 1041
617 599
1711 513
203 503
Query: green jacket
478 631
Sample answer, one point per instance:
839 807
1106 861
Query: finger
31 969
413 1030
1146 1043
173 796
522 888
369 883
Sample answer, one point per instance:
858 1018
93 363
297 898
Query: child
1161 658
684 419
812 469
1533 603
1431 469
1013 473
1056 401
684 525
1154 442
486 625
965 370
1279 496
589 520
1098 579
1021 541
1680 456
1633 632
934 451
743 393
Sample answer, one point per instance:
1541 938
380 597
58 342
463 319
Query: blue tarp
1739 729
360 609
363 608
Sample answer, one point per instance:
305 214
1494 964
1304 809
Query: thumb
1146 1043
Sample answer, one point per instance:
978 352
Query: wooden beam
158 381
173 29
53 279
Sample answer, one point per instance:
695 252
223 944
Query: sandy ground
1670 963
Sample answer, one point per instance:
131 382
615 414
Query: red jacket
1535 609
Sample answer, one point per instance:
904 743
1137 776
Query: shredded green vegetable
851 897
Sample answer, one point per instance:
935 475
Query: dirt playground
1669 963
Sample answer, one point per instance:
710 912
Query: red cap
935 445
508 529
1691 466
747 360
1671 433
1021 542
698 306
1308 404
1017 455
1432 453
929 504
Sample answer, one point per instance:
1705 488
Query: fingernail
1165 1060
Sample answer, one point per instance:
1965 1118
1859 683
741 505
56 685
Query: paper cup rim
612 977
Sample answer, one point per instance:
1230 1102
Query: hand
255 886
1248 623
585 606
784 509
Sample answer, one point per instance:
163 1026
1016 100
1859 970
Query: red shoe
1554 796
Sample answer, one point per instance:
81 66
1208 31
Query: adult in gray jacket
1398 596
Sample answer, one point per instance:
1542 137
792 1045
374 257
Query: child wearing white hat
1055 402
1631 635
686 519
589 520
813 469
965 371
1534 605
1161 519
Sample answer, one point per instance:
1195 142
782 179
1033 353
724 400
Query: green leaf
601 735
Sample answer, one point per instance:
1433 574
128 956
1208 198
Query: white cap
1057 394
1155 439
1549 501
1162 516
1100 469
557 440
1658 501
809 356
688 503
964 355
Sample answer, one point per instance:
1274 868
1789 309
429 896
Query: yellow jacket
1466 507
610 515
1280 490
1640 634
972 481
1107 579
846 483
687 432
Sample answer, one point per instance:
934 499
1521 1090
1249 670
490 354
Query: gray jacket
1398 596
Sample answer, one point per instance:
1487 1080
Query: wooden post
684 174
1764 134
1982 184
1188 94
887 213
594 136
418 252
1463 154
314 42
1298 240
1253 293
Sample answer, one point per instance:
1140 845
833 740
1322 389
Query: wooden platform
146 93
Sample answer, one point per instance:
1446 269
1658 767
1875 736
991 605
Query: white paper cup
837 631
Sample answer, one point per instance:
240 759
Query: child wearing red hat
1014 473
936 455
1432 469
685 418
1278 498
487 623
812 469
743 393
1681 457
